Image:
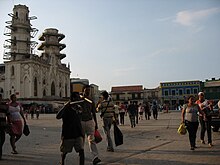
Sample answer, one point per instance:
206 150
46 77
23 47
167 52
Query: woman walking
190 118
16 115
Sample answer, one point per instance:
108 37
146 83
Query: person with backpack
154 109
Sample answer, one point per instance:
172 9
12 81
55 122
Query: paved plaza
153 142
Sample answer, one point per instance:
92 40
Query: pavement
151 142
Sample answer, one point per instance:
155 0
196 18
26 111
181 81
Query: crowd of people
80 122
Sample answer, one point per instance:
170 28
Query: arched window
15 41
12 70
66 90
35 86
52 89
44 92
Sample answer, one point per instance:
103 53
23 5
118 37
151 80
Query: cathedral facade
27 74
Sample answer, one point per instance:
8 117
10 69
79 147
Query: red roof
134 88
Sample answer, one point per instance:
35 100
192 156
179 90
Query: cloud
162 51
191 18
124 71
165 19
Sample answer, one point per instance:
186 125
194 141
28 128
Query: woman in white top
16 115
190 118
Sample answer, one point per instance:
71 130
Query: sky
130 42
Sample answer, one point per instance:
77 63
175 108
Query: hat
200 93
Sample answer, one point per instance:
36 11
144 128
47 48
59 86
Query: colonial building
151 95
28 75
77 85
211 89
128 93
175 93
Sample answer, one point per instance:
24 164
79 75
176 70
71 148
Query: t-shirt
191 113
87 109
71 127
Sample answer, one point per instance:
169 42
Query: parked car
215 123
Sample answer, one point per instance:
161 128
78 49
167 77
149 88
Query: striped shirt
110 111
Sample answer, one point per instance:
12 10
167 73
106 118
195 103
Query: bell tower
20 31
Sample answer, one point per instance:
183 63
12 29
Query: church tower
28 75
20 30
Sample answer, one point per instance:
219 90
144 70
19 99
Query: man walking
72 133
132 113
89 122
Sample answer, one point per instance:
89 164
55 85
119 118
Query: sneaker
202 141
96 161
192 148
110 150
210 145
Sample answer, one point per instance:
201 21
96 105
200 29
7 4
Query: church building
27 74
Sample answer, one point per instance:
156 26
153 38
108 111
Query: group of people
80 122
195 112
137 111
12 121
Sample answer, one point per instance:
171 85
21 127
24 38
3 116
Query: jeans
205 125
192 128
132 119
89 129
122 118
107 123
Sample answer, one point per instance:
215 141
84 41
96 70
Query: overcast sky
130 42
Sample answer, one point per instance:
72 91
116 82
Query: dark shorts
67 145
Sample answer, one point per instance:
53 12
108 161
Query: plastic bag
182 129
98 137
118 136
26 130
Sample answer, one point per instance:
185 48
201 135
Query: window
195 90
188 91
117 96
166 92
44 93
133 95
15 41
12 70
52 89
66 90
173 92
180 92
35 86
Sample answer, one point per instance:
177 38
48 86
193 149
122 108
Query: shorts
67 145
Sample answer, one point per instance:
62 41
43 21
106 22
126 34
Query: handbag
182 129
26 130
98 137
118 136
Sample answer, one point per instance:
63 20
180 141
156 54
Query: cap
200 93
